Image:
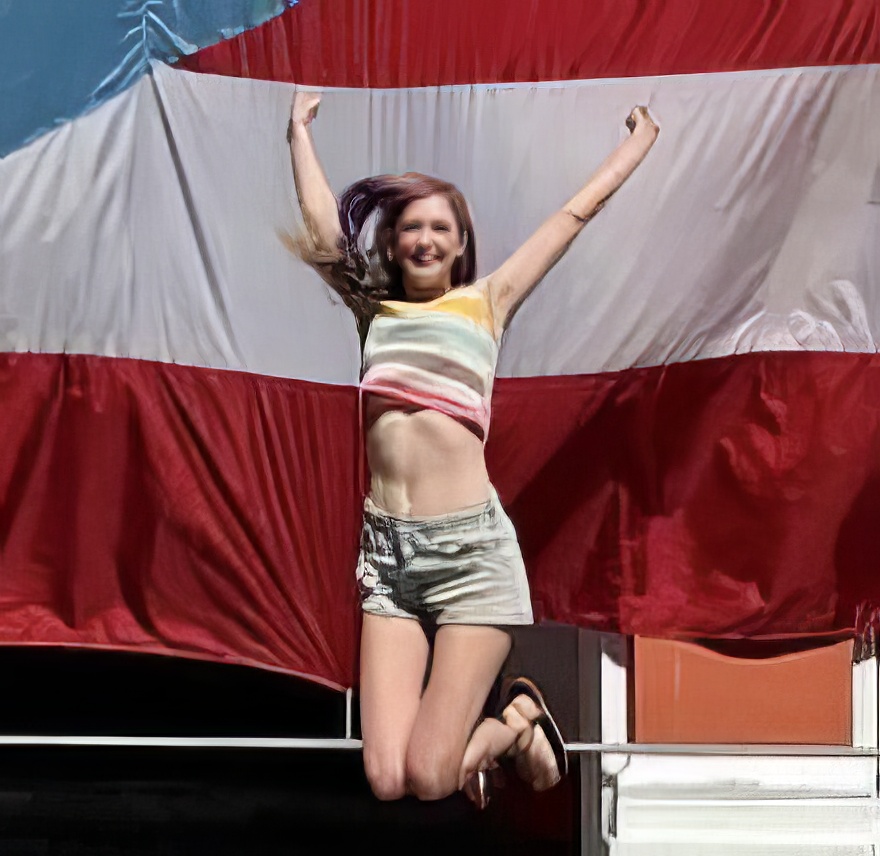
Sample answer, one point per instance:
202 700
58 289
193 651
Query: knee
432 774
387 777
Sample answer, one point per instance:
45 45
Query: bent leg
394 656
467 660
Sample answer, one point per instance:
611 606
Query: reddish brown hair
364 274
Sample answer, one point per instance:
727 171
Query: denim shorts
460 568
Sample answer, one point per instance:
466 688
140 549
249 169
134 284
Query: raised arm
511 283
316 199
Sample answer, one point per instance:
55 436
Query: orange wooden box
685 693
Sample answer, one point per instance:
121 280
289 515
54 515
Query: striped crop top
438 355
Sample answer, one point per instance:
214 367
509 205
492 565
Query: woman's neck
422 294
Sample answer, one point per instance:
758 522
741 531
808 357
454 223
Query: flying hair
368 211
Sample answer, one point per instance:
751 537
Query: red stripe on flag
399 43
212 513
728 497
160 507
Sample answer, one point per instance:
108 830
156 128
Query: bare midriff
422 462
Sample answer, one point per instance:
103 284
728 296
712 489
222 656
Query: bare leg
394 656
425 743
467 660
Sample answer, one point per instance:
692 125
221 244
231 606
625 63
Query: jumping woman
440 573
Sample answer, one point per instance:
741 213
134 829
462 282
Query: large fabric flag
686 424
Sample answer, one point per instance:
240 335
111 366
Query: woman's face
427 241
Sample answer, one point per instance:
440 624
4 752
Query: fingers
306 100
304 107
640 117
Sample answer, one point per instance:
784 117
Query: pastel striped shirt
437 355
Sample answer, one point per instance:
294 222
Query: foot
480 774
537 765
539 751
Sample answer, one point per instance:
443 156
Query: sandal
480 784
544 722
478 788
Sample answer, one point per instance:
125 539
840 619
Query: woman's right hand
641 118
304 107
316 199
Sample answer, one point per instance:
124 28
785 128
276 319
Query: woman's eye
441 228
411 227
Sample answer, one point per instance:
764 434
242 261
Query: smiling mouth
425 259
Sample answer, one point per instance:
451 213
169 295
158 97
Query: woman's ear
464 243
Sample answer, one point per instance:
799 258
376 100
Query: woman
440 571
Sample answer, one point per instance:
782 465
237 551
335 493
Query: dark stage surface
165 801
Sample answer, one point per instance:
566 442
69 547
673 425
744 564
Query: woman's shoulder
483 290
479 286
477 290
475 294
475 302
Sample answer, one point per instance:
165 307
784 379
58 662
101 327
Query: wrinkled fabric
156 507
684 430
731 497
211 513
117 236
381 44
59 60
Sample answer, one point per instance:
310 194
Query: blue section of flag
58 60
